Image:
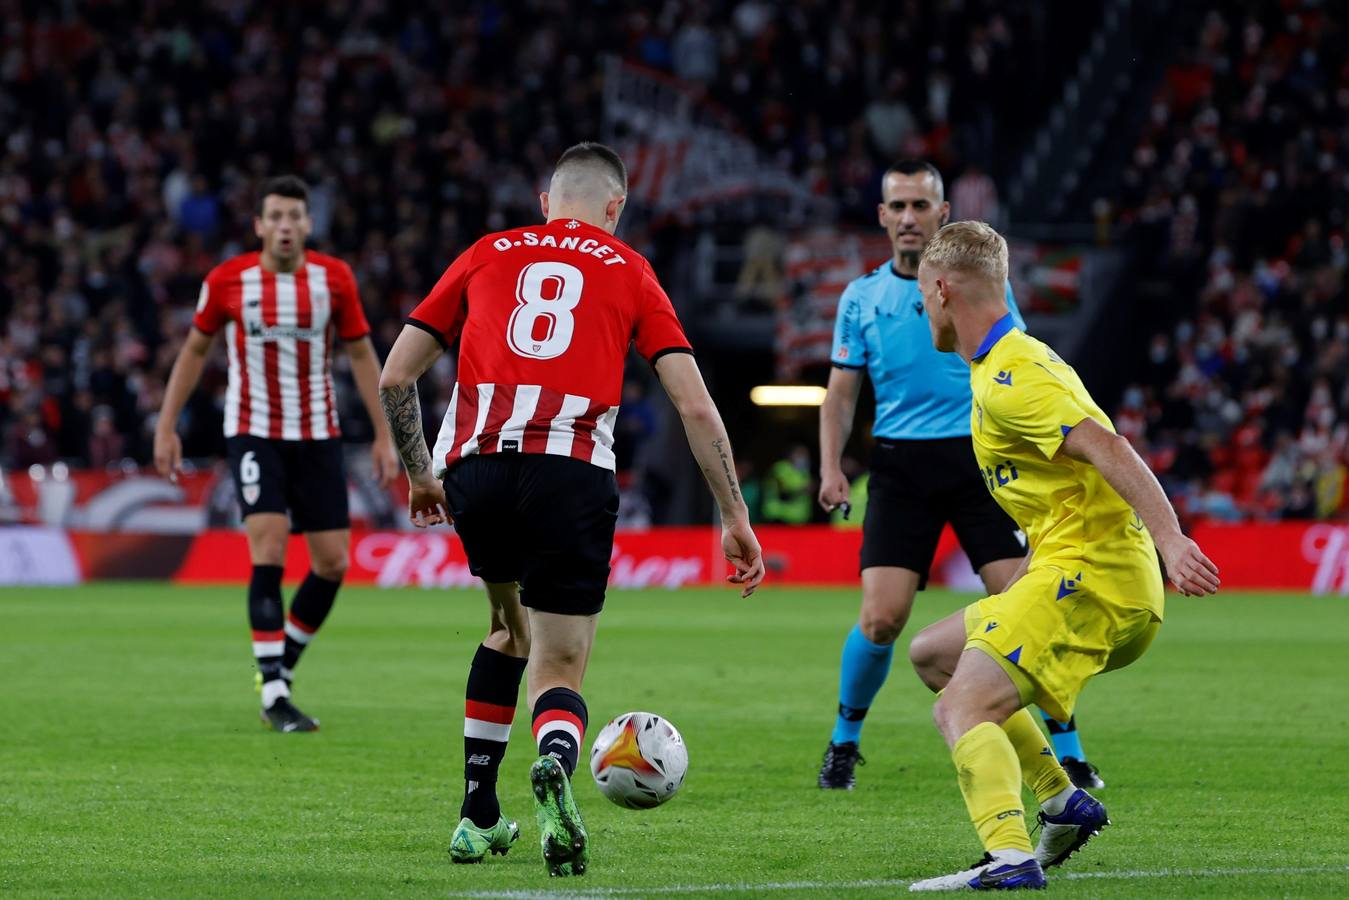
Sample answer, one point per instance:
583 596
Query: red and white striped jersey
544 316
278 331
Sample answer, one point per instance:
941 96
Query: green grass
132 761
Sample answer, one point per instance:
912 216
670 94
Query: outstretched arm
365 372
187 369
411 355
679 375
1188 568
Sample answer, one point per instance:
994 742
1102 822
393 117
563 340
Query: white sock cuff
273 691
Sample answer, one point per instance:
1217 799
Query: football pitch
133 762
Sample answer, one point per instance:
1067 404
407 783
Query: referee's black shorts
915 488
546 522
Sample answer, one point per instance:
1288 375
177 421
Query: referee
923 473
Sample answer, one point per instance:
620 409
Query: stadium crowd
135 136
1239 188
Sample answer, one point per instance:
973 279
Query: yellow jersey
1026 400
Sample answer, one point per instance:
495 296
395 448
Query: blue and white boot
1062 835
988 874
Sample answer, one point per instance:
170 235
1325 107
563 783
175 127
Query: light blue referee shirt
880 326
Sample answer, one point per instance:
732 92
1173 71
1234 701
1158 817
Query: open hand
426 503
742 551
1193 573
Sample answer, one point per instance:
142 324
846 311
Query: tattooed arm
679 375
412 354
403 411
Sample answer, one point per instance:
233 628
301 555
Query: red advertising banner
1304 556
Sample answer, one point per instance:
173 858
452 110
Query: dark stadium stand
134 139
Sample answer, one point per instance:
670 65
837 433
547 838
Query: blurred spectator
975 196
788 489
1243 179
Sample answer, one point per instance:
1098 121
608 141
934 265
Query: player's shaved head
588 170
589 183
968 248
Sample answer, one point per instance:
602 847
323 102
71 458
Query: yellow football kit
1092 596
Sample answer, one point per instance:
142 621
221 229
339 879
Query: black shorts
544 521
304 478
916 487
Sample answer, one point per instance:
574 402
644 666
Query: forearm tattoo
726 469
403 410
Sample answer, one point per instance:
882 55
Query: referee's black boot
837 770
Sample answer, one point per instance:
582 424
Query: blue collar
995 334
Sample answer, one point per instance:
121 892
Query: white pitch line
881 883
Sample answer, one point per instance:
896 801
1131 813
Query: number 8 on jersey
548 291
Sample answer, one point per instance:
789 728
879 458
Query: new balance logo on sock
561 743
480 759
851 714
1009 814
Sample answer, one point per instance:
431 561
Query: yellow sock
1039 769
990 780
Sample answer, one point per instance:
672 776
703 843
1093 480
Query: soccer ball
639 760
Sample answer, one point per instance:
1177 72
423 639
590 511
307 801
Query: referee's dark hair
291 186
595 152
918 167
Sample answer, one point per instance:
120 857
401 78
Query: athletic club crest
251 493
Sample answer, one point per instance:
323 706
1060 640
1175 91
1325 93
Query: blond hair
973 247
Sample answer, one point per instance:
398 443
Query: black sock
489 709
311 605
265 618
560 726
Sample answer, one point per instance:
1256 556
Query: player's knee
882 626
332 567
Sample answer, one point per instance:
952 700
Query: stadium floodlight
787 395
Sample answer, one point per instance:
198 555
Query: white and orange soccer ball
639 760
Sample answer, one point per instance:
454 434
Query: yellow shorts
1051 634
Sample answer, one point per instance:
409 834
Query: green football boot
470 844
561 833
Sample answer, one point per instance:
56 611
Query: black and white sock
311 605
560 726
489 709
265 614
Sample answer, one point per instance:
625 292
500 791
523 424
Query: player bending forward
279 309
1089 597
544 316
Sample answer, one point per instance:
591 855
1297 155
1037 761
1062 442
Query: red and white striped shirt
278 331
544 316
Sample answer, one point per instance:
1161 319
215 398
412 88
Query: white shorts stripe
526 401
445 439
320 305
297 634
486 731
268 648
561 433
485 392
260 413
288 372
559 725
603 436
232 391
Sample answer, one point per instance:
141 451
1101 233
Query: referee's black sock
265 614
